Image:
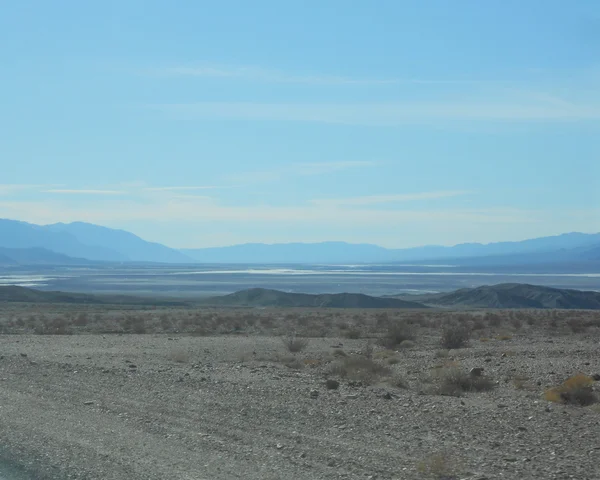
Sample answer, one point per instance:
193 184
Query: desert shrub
359 368
494 319
575 390
453 381
397 333
455 336
179 356
577 325
292 362
521 382
81 320
406 344
294 344
352 333
439 466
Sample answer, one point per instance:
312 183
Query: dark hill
515 295
13 293
261 297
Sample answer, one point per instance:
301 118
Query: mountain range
24 243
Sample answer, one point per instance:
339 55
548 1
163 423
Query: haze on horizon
411 124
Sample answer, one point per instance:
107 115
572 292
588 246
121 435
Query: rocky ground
235 406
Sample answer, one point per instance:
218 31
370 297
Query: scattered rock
332 384
131 365
314 393
88 402
23 354
596 377
476 372
386 396
279 446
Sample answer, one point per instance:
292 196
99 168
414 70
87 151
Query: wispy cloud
380 199
388 114
181 188
259 74
78 191
11 188
299 169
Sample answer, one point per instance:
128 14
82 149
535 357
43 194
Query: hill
12 293
513 295
261 297
36 256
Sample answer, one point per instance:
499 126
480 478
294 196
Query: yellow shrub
576 389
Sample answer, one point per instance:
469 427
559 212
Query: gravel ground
158 407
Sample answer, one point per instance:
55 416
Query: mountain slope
261 297
514 295
36 256
15 234
127 244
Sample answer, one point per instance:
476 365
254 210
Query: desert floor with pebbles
158 406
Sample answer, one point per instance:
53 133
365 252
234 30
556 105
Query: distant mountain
261 297
128 245
37 256
324 252
512 295
15 234
560 248
86 240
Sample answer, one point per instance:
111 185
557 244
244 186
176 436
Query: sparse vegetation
360 368
397 333
295 344
179 356
575 390
455 336
451 380
439 466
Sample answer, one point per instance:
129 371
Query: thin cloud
77 191
181 188
386 114
299 169
10 188
273 76
379 199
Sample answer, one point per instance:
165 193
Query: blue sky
400 123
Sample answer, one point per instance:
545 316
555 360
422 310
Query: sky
400 123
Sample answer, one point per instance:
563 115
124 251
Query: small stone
131 365
386 396
476 372
279 446
88 402
314 393
522 429
332 384
596 377
351 396
23 354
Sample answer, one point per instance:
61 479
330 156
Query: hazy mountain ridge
86 240
93 242
568 247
